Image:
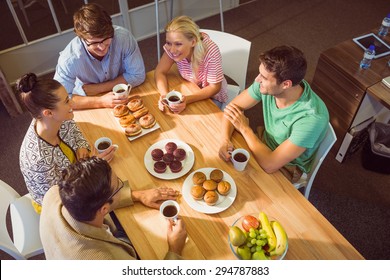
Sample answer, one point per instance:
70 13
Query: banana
271 238
281 239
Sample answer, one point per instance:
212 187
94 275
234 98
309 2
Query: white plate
187 163
223 202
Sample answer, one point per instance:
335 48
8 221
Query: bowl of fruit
257 237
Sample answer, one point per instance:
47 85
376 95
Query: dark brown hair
85 186
286 62
91 20
38 94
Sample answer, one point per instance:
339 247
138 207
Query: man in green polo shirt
295 118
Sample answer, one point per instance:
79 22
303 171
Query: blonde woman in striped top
198 60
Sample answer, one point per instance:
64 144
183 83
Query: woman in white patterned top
53 141
198 60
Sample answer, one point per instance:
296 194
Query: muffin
197 192
170 147
198 178
223 187
210 185
160 166
179 154
157 154
175 166
210 197
216 175
168 158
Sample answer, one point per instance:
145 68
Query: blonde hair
190 30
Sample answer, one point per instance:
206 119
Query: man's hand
110 100
236 116
225 150
176 235
154 197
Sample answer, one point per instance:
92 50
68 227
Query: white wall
41 56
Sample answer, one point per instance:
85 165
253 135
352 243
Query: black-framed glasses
95 44
120 186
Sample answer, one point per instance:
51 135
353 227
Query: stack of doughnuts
129 114
172 158
209 190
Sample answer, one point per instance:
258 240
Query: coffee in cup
122 90
240 158
103 143
173 97
170 209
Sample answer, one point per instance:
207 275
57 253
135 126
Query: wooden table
311 236
381 93
342 85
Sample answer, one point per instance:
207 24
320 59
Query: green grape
256 231
258 237
259 243
263 236
252 234
262 231
253 249
249 244
258 248
251 230
253 241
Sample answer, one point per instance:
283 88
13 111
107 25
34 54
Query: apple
249 222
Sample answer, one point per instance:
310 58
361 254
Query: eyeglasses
95 44
120 186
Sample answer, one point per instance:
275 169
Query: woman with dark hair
53 140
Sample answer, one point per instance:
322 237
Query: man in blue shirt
101 56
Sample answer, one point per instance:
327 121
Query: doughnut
175 166
170 147
168 158
160 166
126 120
216 175
157 154
198 178
210 185
141 112
135 104
197 192
147 121
120 110
133 129
211 197
223 188
179 154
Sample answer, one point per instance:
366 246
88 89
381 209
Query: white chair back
323 150
235 56
25 224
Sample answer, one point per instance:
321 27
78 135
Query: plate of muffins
169 159
209 190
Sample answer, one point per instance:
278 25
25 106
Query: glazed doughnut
141 112
133 129
120 110
147 121
126 120
135 104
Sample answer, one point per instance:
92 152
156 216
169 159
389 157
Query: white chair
25 224
235 56
323 150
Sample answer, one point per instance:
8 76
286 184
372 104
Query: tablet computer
381 48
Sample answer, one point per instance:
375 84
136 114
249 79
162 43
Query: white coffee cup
122 90
240 158
103 143
170 209
173 97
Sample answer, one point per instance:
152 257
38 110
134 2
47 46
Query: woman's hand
107 155
179 107
82 153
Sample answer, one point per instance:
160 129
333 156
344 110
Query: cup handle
115 146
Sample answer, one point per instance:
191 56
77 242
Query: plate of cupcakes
169 159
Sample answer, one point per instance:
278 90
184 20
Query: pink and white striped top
209 71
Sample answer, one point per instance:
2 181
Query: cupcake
179 154
157 154
216 175
160 166
175 166
223 188
170 147
197 192
168 158
211 197
209 185
198 178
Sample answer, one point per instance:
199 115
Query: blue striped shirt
76 66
